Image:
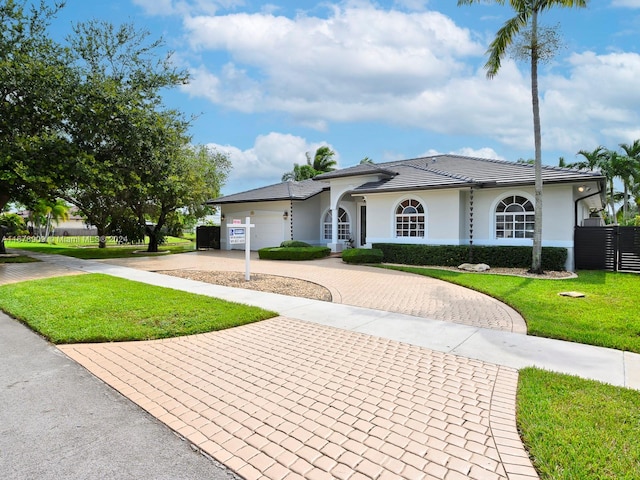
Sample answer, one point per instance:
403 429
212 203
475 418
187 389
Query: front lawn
101 308
578 429
88 251
608 316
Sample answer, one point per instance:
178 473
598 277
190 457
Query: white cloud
346 67
264 164
411 68
626 3
597 103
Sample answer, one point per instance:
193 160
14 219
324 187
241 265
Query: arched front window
514 218
344 228
410 219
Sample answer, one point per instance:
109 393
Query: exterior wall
447 217
271 228
557 215
442 211
306 219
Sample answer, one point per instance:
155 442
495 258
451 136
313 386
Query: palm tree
592 160
526 14
45 212
322 162
629 172
612 167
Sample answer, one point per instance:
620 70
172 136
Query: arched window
410 219
514 218
344 228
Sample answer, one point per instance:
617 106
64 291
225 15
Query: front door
362 224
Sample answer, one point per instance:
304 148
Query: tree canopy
85 122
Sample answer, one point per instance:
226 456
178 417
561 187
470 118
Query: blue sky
386 80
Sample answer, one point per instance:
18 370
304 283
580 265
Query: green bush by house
294 243
553 258
293 253
362 255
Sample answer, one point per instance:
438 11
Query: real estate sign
237 235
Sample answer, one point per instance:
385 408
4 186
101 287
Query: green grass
19 259
101 308
609 315
578 429
91 251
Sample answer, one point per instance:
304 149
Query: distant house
438 200
75 225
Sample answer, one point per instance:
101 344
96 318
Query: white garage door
269 230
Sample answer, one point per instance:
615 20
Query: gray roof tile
280 191
439 171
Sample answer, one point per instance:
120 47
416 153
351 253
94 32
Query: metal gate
612 248
208 237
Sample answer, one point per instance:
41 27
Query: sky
387 80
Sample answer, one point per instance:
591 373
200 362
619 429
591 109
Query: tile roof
280 191
451 171
439 171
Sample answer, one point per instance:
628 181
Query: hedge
362 255
293 253
553 258
294 243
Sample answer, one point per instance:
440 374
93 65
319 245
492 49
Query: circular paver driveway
360 286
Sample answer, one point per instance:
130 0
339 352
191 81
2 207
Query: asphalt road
59 421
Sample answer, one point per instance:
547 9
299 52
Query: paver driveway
286 399
361 286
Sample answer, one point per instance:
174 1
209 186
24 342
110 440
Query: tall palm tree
526 15
629 172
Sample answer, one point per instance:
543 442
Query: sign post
240 233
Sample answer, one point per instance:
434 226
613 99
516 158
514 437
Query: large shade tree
118 124
36 82
526 17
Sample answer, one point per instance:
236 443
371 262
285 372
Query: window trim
410 226
344 228
529 217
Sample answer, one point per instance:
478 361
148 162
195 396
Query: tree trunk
3 231
155 234
536 254
152 233
102 237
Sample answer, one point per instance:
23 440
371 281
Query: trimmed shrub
553 258
293 253
294 243
362 255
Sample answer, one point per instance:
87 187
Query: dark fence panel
607 248
629 249
208 237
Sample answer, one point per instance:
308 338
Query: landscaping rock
474 267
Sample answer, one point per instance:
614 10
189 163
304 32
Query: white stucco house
438 200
